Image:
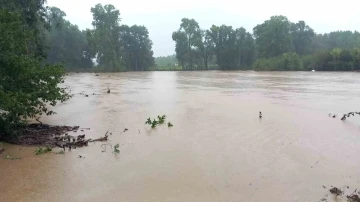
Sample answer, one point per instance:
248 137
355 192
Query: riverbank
64 137
39 134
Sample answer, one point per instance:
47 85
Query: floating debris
11 158
353 197
336 191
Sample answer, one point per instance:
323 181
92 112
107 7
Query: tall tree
205 47
137 47
27 86
67 43
104 39
190 31
181 48
234 49
302 36
273 37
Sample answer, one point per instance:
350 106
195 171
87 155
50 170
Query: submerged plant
61 152
41 150
170 124
116 149
161 119
11 158
148 121
154 124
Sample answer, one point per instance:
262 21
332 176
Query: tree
245 48
205 47
224 39
104 39
273 37
234 49
67 43
189 33
181 47
302 36
26 85
166 61
137 47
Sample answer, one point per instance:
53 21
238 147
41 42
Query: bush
26 85
285 62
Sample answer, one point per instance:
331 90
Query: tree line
113 46
276 44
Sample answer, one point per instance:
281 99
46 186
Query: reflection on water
218 149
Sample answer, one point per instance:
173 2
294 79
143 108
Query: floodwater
218 150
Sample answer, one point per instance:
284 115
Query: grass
41 150
11 158
61 152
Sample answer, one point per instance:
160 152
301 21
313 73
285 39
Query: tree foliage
67 43
232 48
104 39
273 37
302 36
27 86
166 61
276 44
118 47
137 48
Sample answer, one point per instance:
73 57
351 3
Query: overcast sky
162 17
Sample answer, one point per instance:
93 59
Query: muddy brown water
218 149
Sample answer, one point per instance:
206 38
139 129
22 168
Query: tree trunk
190 57
136 64
206 60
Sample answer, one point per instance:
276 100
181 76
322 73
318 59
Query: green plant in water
154 124
116 149
161 119
148 121
41 150
11 158
61 152
170 124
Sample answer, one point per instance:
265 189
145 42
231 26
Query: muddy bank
39 135
51 136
